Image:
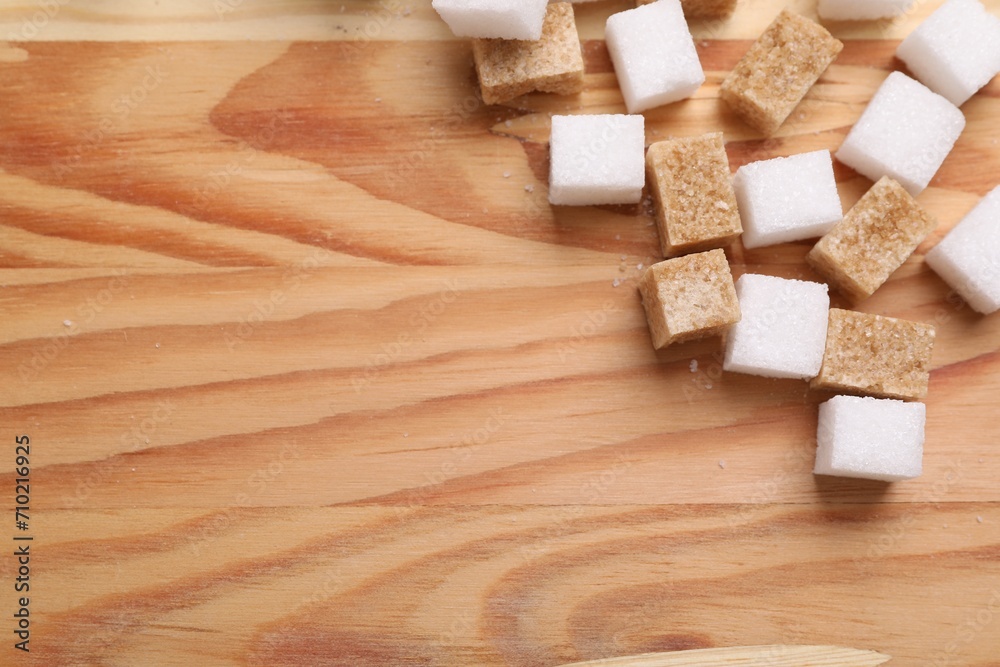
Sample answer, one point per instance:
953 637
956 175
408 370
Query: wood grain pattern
747 656
314 375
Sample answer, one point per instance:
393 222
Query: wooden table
313 374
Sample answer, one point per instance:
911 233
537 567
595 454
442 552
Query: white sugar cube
862 10
787 198
956 51
871 438
653 54
597 159
504 19
782 332
968 258
905 133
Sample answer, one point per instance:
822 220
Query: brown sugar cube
778 70
509 68
702 9
873 240
875 355
689 297
693 190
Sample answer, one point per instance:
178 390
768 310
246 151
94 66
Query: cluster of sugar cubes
773 327
521 46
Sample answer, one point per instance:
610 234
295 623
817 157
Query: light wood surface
775 655
314 375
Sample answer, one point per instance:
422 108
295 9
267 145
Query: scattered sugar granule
722 463
378 99
506 174
616 282
529 188
979 519
67 323
693 366
638 267
618 237
157 346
